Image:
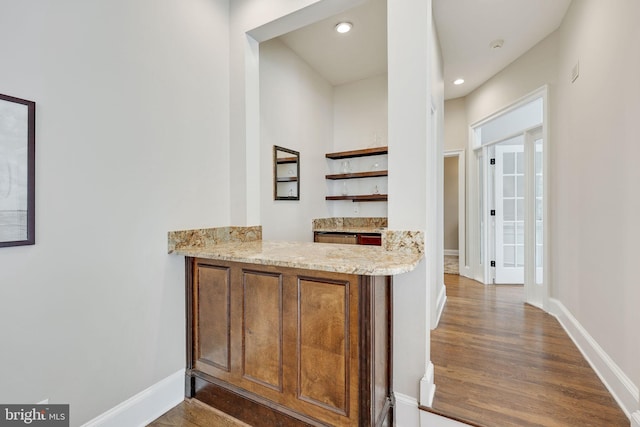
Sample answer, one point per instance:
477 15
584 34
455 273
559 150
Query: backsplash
341 222
203 237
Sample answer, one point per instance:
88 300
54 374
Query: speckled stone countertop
350 225
401 251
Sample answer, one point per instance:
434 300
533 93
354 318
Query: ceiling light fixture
344 27
458 81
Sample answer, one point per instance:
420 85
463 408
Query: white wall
251 22
456 135
435 188
131 142
413 184
526 74
360 114
360 121
456 129
595 176
296 111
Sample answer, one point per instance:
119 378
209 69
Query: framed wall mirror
17 171
286 174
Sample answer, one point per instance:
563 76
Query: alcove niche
320 92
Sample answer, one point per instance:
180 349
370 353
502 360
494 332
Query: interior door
510 211
534 275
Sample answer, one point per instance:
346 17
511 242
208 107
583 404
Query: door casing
477 232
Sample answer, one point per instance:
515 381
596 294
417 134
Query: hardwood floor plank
501 362
193 413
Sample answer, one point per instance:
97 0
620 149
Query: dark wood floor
193 413
500 362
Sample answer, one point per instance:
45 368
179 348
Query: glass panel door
510 211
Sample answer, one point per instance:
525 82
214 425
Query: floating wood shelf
370 174
358 153
287 179
283 160
361 198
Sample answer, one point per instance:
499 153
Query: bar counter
291 333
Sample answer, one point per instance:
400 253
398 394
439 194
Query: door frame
479 267
463 268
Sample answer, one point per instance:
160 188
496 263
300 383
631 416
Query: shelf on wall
283 160
370 174
361 198
287 179
358 153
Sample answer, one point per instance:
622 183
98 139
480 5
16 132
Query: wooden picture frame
17 171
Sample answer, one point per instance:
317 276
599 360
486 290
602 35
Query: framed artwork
17 171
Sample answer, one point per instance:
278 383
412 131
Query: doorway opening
510 197
454 197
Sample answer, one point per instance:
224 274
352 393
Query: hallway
500 362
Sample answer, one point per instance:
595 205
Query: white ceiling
343 58
465 29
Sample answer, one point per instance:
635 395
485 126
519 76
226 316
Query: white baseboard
465 271
429 419
408 414
635 419
623 390
427 386
440 303
145 406
452 252
405 411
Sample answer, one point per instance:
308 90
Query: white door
534 276
510 212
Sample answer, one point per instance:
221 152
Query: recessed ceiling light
458 81
344 27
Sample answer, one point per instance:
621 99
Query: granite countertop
350 225
349 229
352 259
401 251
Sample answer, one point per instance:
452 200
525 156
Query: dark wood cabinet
373 239
343 238
289 347
370 239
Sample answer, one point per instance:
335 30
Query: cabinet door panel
323 344
262 328
213 331
367 239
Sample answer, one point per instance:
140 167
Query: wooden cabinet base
277 346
